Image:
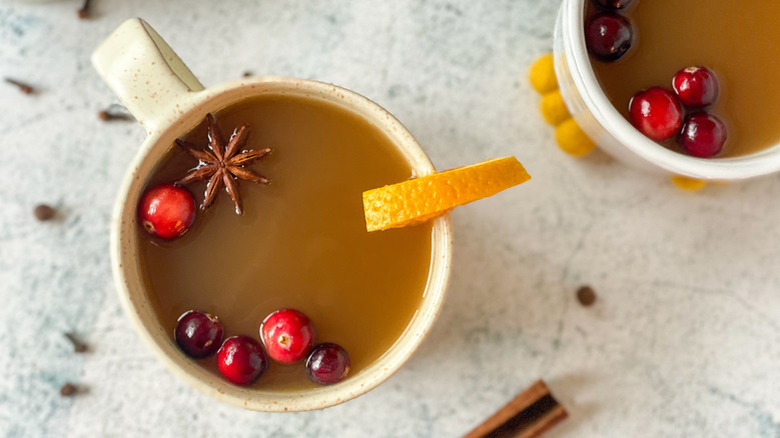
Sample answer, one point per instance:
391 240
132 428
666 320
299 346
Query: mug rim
755 164
134 295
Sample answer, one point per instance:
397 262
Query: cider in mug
655 41
301 240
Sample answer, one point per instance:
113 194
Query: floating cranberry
288 335
327 364
167 211
198 334
242 360
613 4
656 113
608 36
697 87
703 135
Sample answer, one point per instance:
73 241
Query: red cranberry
242 360
696 87
613 4
327 364
198 334
167 211
656 113
608 36
288 335
703 135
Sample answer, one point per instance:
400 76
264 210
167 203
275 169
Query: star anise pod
223 165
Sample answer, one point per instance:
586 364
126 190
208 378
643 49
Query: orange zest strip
421 199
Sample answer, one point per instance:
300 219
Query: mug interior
130 282
729 168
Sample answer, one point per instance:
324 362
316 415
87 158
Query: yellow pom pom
553 108
542 74
688 184
572 140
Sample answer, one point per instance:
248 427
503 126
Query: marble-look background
683 341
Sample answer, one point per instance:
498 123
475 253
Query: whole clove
108 115
68 390
78 346
586 296
25 88
83 13
44 212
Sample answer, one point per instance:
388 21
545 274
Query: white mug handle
146 74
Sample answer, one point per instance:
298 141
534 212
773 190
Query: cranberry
703 135
198 334
242 360
613 4
696 87
608 36
656 113
167 211
327 364
288 335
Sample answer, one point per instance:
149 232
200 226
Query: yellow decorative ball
553 108
542 74
688 184
572 140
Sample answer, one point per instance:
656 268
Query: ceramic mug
167 99
596 115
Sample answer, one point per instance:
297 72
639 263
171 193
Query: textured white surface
681 343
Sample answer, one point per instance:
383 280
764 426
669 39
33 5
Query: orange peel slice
421 199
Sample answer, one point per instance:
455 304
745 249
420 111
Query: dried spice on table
586 296
23 87
78 345
84 12
44 212
68 390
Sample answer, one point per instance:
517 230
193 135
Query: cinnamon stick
530 414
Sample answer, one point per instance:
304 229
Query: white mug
167 99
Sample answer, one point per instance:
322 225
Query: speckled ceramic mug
596 115
168 101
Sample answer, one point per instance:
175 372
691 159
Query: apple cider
733 39
301 241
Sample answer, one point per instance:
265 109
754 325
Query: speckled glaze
168 100
593 111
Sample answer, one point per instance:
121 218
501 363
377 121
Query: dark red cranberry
288 335
198 334
242 360
613 4
703 135
697 87
608 36
327 364
656 113
167 211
